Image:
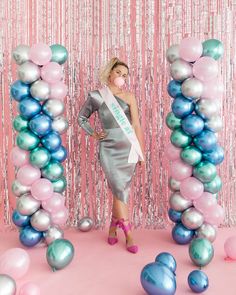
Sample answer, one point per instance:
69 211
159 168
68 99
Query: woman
115 153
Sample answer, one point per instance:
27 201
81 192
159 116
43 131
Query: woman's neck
114 89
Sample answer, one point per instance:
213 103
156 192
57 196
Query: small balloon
20 123
21 54
205 68
180 139
53 108
19 157
172 121
172 53
28 174
53 233
206 141
201 251
191 188
190 49
58 90
174 184
230 247
60 155
205 171
40 90
205 203
174 215
60 124
214 186
27 140
192 125
182 235
213 48
214 124
41 220
207 231
191 155
180 170
7 285
85 224
51 72
19 90
192 218
19 189
29 289
29 107
216 156
53 204
60 217
179 203
27 205
59 254
167 259
198 281
180 70
59 53
28 72
207 109
174 88
40 53
30 237
53 170
51 141
182 107
192 88
40 157
42 189
59 185
19 219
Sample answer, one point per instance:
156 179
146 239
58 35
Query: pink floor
98 268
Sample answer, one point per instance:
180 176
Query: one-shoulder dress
114 148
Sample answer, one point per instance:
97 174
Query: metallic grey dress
114 148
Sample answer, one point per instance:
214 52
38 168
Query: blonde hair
106 70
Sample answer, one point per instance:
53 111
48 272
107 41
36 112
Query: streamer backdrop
138 32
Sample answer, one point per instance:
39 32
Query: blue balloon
216 156
168 260
19 90
51 141
182 106
29 107
174 215
30 237
192 125
182 235
206 141
174 88
198 281
158 279
19 219
40 124
60 155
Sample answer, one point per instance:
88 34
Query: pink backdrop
139 32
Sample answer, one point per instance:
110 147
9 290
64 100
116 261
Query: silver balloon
207 231
21 54
192 87
174 184
41 220
54 232
19 189
28 72
60 124
27 205
180 70
172 53
53 107
7 285
178 203
208 108
40 90
214 124
192 218
85 224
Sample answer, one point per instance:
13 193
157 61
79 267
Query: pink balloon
205 69
40 54
230 247
205 203
52 72
191 188
60 217
53 204
28 174
190 49
58 90
19 157
213 89
215 216
29 289
180 170
42 189
14 262
173 152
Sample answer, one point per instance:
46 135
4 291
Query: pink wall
139 32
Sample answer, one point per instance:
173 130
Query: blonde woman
118 111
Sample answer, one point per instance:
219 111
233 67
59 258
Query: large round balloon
212 48
207 109
42 189
27 205
190 49
205 171
191 188
53 108
59 254
60 155
198 281
206 141
7 285
51 141
19 219
28 174
174 88
29 107
167 259
41 220
180 70
53 233
174 184
207 231
58 90
172 121
191 155
179 203
180 139
28 72
53 171
172 53
216 156
182 235
205 68
19 90
40 90
201 251
30 237
21 54
192 88
60 124
182 106
59 185
19 189
27 140
192 218
174 215
40 157
192 125
20 123
40 124
213 186
19 157
59 53
180 170
158 279
40 53
51 72
214 124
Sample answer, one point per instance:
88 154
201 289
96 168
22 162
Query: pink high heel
113 240
126 229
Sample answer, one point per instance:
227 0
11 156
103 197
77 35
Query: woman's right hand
99 135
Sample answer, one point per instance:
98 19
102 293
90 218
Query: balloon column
194 151
39 153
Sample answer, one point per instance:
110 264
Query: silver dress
114 148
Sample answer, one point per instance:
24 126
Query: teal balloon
40 157
205 171
191 155
213 186
59 53
53 170
59 185
213 48
27 140
180 139
201 251
20 123
59 254
172 121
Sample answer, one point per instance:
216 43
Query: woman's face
118 71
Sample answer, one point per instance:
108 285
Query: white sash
118 113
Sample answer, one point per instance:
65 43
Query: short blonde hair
106 70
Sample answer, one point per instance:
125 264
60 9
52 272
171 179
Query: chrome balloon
192 218
53 233
7 285
172 53
60 124
85 224
179 203
207 231
53 107
40 90
27 205
28 72
41 220
21 54
19 189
